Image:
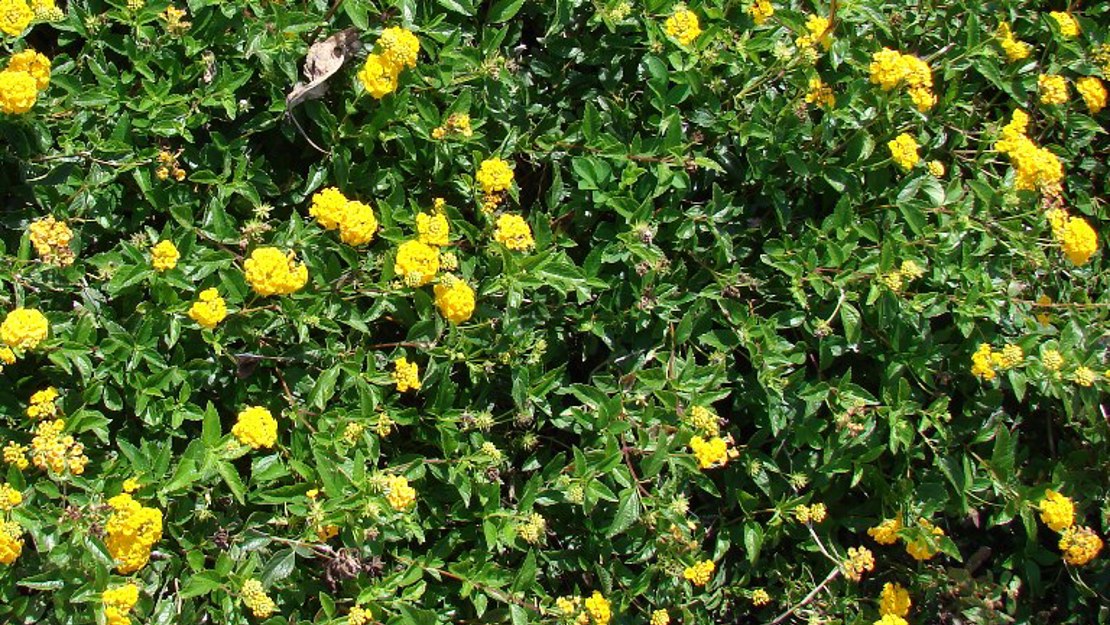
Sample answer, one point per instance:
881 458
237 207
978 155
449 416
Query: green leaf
628 512
504 10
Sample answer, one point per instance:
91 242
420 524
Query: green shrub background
704 237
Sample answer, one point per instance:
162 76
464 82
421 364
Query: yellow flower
1093 92
11 540
895 600
704 420
818 512
9 497
887 69
359 616
1015 50
255 598
1036 167
1053 89
378 76
433 229
1080 545
761 11
598 607
760 597
660 617
51 240
1084 376
920 549
406 375
1078 240
18 91
417 263
399 47
886 533
1052 360
164 256
514 233
891 619
399 494
15 17
819 31
936 168
118 602
359 224
54 451
455 299
269 271
1067 24
33 63
132 530
820 94
209 309
256 427
858 562
494 175
711 453
41 405
903 150
328 207
700 573
24 328
1057 511
131 485
683 26
533 530
982 362
16 455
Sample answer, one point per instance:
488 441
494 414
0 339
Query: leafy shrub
553 312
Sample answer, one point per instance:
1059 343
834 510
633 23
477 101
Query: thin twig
813 593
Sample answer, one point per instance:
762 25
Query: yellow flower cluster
132 531
51 451
891 69
858 562
16 455
1057 511
433 229
700 573
9 497
514 233
1093 92
1053 89
1036 167
397 49
209 309
495 178
1067 24
533 529
255 426
270 271
1079 545
42 404
359 616
417 263
457 123
1076 237
11 540
354 220
704 420
886 533
760 597
986 362
1084 376
118 603
51 240
896 279
399 494
891 619
164 256
1014 48
175 22
255 598
711 453
597 609
15 17
920 549
903 151
936 168
683 26
24 328
894 599
820 94
817 513
761 11
167 165
455 299
28 72
660 617
818 32
406 375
